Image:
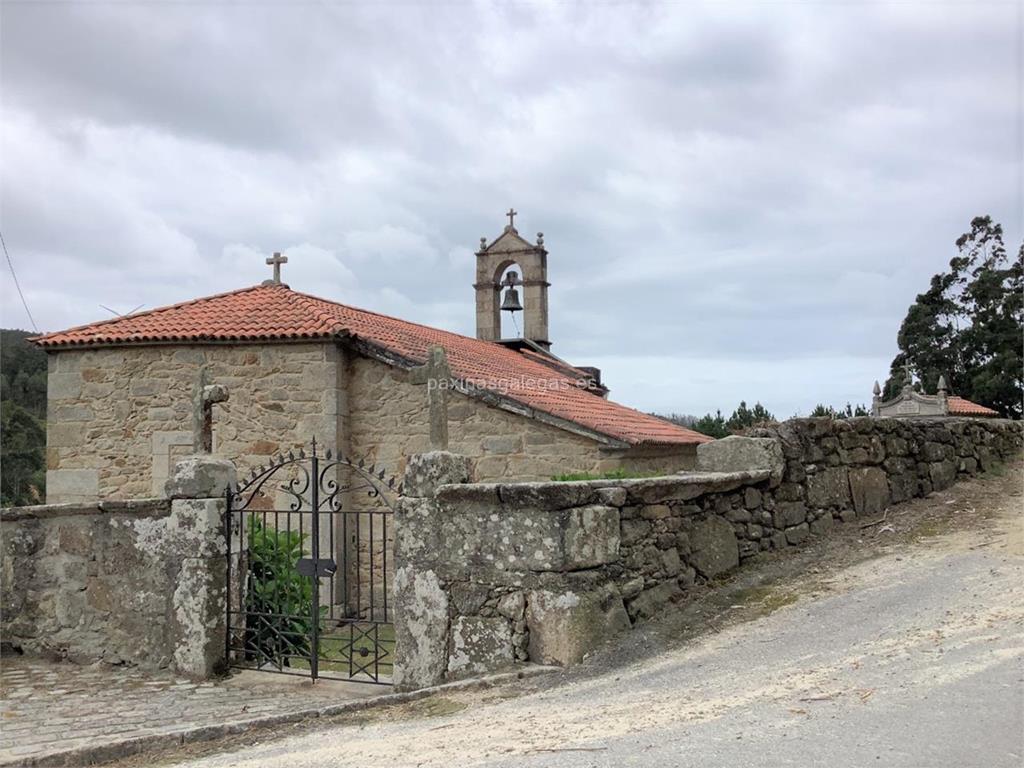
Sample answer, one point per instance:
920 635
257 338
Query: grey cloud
728 192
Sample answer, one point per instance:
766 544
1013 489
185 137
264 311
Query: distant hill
22 420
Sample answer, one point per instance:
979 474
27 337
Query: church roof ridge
276 313
383 315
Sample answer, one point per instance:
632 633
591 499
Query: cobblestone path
50 709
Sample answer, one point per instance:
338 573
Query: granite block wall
140 583
119 418
389 422
490 574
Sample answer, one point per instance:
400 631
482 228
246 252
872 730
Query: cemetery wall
490 574
140 583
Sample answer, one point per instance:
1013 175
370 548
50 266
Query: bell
511 301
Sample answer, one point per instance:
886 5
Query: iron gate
308 594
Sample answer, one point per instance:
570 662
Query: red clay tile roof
958 406
276 313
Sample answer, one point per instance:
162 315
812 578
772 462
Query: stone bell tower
491 262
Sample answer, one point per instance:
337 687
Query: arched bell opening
510 293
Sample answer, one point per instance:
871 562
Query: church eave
178 341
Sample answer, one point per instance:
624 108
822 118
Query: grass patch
615 474
996 470
352 647
766 599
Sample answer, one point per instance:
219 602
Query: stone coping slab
553 495
156 507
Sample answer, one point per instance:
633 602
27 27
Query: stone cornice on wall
134 507
553 496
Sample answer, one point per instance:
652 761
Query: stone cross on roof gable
276 261
436 374
512 213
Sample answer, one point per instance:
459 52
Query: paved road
911 659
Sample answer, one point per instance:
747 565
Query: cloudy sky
740 200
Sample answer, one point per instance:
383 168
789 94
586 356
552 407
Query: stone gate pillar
421 604
196 543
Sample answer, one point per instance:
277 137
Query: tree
681 419
743 417
713 426
717 426
968 325
22 420
21 455
828 412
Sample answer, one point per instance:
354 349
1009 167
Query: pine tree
713 426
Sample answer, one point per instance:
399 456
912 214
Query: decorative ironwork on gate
308 594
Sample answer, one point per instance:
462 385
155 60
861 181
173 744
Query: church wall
389 422
118 419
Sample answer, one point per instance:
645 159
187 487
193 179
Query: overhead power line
18 285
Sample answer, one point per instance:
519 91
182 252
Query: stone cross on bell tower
491 262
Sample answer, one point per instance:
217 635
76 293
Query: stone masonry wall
840 468
492 574
118 419
141 583
389 422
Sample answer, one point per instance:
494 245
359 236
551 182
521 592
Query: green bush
275 587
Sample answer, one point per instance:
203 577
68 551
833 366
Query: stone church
288 367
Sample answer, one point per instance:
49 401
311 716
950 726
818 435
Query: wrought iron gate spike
291 456
302 453
362 463
380 475
328 454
